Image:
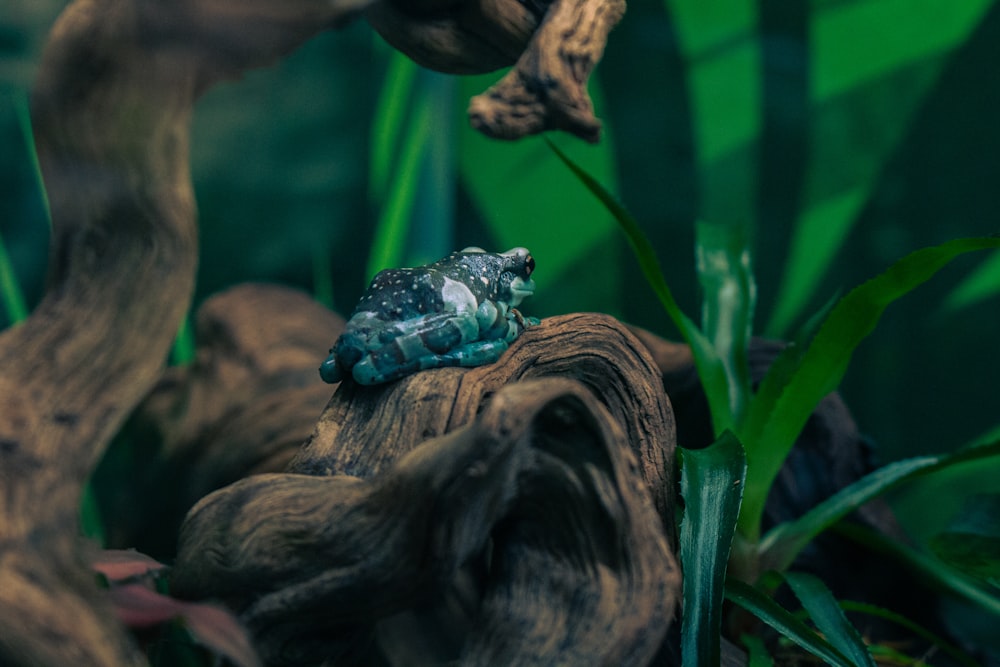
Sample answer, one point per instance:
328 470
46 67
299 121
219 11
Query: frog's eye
529 265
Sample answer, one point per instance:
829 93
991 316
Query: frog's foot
373 370
329 371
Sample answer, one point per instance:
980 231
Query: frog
458 311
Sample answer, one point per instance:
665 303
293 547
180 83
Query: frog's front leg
500 321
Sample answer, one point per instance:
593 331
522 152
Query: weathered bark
244 406
111 109
553 46
526 536
365 429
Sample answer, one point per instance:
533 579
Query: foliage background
845 133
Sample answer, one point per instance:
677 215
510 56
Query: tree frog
458 311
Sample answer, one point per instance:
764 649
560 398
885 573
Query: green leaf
91 524
829 618
11 295
981 284
387 122
779 618
183 351
784 542
915 628
927 568
757 655
711 485
710 368
971 542
388 245
729 295
787 397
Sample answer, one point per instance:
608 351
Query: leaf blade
711 485
829 618
784 402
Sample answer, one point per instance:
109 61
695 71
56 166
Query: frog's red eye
529 264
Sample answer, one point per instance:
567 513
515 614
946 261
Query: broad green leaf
388 121
971 544
718 41
782 544
729 295
820 233
779 618
711 485
919 30
784 401
709 366
926 568
388 245
939 642
829 618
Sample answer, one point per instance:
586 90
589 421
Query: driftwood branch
111 111
524 526
553 47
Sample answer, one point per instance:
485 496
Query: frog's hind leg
413 345
476 353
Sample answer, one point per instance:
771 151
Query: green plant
724 489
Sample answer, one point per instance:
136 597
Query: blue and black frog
458 311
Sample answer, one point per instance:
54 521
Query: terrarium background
846 132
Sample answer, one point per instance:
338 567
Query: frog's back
401 294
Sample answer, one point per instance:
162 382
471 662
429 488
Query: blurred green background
845 133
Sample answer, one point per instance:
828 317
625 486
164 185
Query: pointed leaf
782 620
927 568
710 368
122 564
829 618
939 642
729 295
711 484
213 627
784 542
783 403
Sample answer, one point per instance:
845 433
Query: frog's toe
329 371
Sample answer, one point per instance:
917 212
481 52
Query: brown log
533 521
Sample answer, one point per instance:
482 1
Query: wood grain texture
111 109
525 536
553 47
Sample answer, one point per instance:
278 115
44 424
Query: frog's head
510 274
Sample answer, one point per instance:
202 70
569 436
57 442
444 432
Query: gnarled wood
532 521
365 429
111 108
245 405
553 47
